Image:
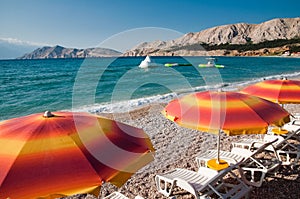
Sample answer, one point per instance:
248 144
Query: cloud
22 43
11 48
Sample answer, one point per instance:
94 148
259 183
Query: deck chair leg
252 181
164 186
286 158
296 160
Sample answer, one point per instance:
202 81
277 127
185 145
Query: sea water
118 84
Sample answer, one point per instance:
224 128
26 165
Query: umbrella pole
101 193
218 148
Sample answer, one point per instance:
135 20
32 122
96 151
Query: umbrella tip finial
48 114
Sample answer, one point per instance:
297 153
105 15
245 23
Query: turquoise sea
118 84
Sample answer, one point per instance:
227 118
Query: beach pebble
177 147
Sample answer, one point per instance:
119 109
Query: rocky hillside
238 34
61 52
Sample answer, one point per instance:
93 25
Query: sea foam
132 104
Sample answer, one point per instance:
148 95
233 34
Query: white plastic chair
261 163
287 151
232 157
228 185
204 183
293 126
251 161
190 181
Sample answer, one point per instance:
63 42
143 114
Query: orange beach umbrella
66 153
282 91
231 112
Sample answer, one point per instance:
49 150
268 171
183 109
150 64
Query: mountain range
232 39
62 52
234 34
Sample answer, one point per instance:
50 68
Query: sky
123 23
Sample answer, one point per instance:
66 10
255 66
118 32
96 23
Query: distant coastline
276 37
59 52
266 52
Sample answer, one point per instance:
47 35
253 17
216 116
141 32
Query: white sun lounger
232 157
287 151
293 126
261 163
118 195
203 184
251 161
227 185
295 116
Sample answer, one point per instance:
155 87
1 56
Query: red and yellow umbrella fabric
282 91
231 112
66 153
234 113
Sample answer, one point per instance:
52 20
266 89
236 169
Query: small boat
177 64
211 63
171 64
147 63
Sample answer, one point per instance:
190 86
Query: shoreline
238 73
121 56
154 55
140 103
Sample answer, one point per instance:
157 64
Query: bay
118 84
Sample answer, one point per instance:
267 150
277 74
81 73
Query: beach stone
177 147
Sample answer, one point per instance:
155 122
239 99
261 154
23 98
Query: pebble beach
177 147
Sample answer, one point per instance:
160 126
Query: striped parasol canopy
282 91
231 112
66 153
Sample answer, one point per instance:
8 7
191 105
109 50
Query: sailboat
211 63
148 62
